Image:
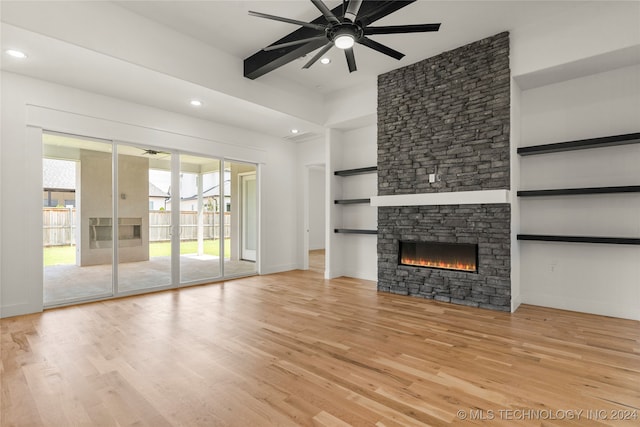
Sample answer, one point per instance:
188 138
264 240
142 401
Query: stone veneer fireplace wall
449 116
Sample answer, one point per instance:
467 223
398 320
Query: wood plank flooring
294 349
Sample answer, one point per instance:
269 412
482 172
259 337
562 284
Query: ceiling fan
150 152
346 29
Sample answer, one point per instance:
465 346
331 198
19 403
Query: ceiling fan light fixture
344 41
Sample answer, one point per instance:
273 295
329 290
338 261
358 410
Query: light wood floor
316 261
294 349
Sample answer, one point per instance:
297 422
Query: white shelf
449 198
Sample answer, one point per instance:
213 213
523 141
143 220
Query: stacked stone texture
447 115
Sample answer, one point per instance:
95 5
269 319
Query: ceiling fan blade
399 29
325 11
352 10
293 43
351 59
289 21
381 48
379 9
318 55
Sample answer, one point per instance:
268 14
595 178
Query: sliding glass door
144 218
202 202
169 219
248 218
77 218
242 209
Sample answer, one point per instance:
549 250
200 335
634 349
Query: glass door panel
249 216
201 203
242 216
77 218
144 218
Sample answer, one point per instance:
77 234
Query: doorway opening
316 217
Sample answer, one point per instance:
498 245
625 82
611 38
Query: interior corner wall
334 250
30 105
595 278
514 137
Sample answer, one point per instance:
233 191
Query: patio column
200 231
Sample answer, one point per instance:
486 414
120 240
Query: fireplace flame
434 263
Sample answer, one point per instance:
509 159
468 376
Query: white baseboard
19 309
364 275
515 303
271 269
583 306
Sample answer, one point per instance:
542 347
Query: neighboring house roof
154 191
212 192
58 174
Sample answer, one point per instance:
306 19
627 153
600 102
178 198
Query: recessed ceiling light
16 53
196 103
294 131
325 61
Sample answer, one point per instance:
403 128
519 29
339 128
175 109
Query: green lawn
57 255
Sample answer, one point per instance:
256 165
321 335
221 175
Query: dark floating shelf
581 144
578 191
352 231
359 171
581 239
351 201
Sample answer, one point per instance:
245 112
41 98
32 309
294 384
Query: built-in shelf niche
359 201
581 144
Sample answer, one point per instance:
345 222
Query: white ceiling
227 26
79 61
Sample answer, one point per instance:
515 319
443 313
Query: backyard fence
59 226
160 225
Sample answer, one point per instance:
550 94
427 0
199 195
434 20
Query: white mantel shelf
449 198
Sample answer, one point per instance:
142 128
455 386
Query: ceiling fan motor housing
345 29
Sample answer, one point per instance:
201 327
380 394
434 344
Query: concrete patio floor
70 282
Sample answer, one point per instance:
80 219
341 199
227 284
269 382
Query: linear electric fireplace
448 256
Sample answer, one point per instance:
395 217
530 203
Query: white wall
29 105
141 41
595 278
567 38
